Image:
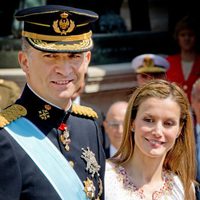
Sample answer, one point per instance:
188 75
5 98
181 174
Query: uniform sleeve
10 178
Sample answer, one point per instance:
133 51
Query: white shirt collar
113 150
48 101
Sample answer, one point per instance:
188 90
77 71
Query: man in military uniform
50 148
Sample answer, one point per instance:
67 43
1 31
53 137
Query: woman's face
156 127
187 39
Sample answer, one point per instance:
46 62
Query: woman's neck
144 171
188 55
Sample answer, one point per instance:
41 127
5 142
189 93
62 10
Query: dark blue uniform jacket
20 177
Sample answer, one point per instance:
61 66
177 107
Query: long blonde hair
181 158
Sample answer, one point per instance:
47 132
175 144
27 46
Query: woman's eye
169 123
148 120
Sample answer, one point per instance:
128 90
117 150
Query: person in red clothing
185 66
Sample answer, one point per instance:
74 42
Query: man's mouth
64 82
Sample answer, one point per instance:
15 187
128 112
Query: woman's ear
133 126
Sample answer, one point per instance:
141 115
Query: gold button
71 163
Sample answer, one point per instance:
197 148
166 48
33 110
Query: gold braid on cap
84 111
11 114
84 36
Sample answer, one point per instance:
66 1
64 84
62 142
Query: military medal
64 136
89 188
92 166
100 189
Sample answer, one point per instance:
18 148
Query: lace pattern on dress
165 190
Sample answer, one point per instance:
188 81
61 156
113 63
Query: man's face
54 76
114 123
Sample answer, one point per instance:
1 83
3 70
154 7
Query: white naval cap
149 63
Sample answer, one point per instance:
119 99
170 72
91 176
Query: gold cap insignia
83 110
91 163
11 113
148 62
64 25
89 188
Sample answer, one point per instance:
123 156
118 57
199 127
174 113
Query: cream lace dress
118 186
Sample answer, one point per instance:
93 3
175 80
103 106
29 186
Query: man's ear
23 61
88 56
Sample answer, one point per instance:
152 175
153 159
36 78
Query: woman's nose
157 130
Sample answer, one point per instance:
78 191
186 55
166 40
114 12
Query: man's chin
65 95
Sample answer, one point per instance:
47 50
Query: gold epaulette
11 113
83 110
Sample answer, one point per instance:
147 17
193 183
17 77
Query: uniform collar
41 112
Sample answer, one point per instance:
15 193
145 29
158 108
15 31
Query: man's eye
74 55
50 55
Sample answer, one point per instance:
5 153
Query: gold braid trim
83 110
11 113
53 38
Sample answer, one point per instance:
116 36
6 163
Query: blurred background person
195 104
9 93
148 67
113 126
185 65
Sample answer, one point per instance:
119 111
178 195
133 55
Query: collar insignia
44 113
11 113
92 165
64 25
89 188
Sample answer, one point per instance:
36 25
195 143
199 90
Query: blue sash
47 157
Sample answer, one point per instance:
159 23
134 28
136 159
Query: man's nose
120 127
64 67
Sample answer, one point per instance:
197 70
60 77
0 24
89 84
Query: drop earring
132 130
